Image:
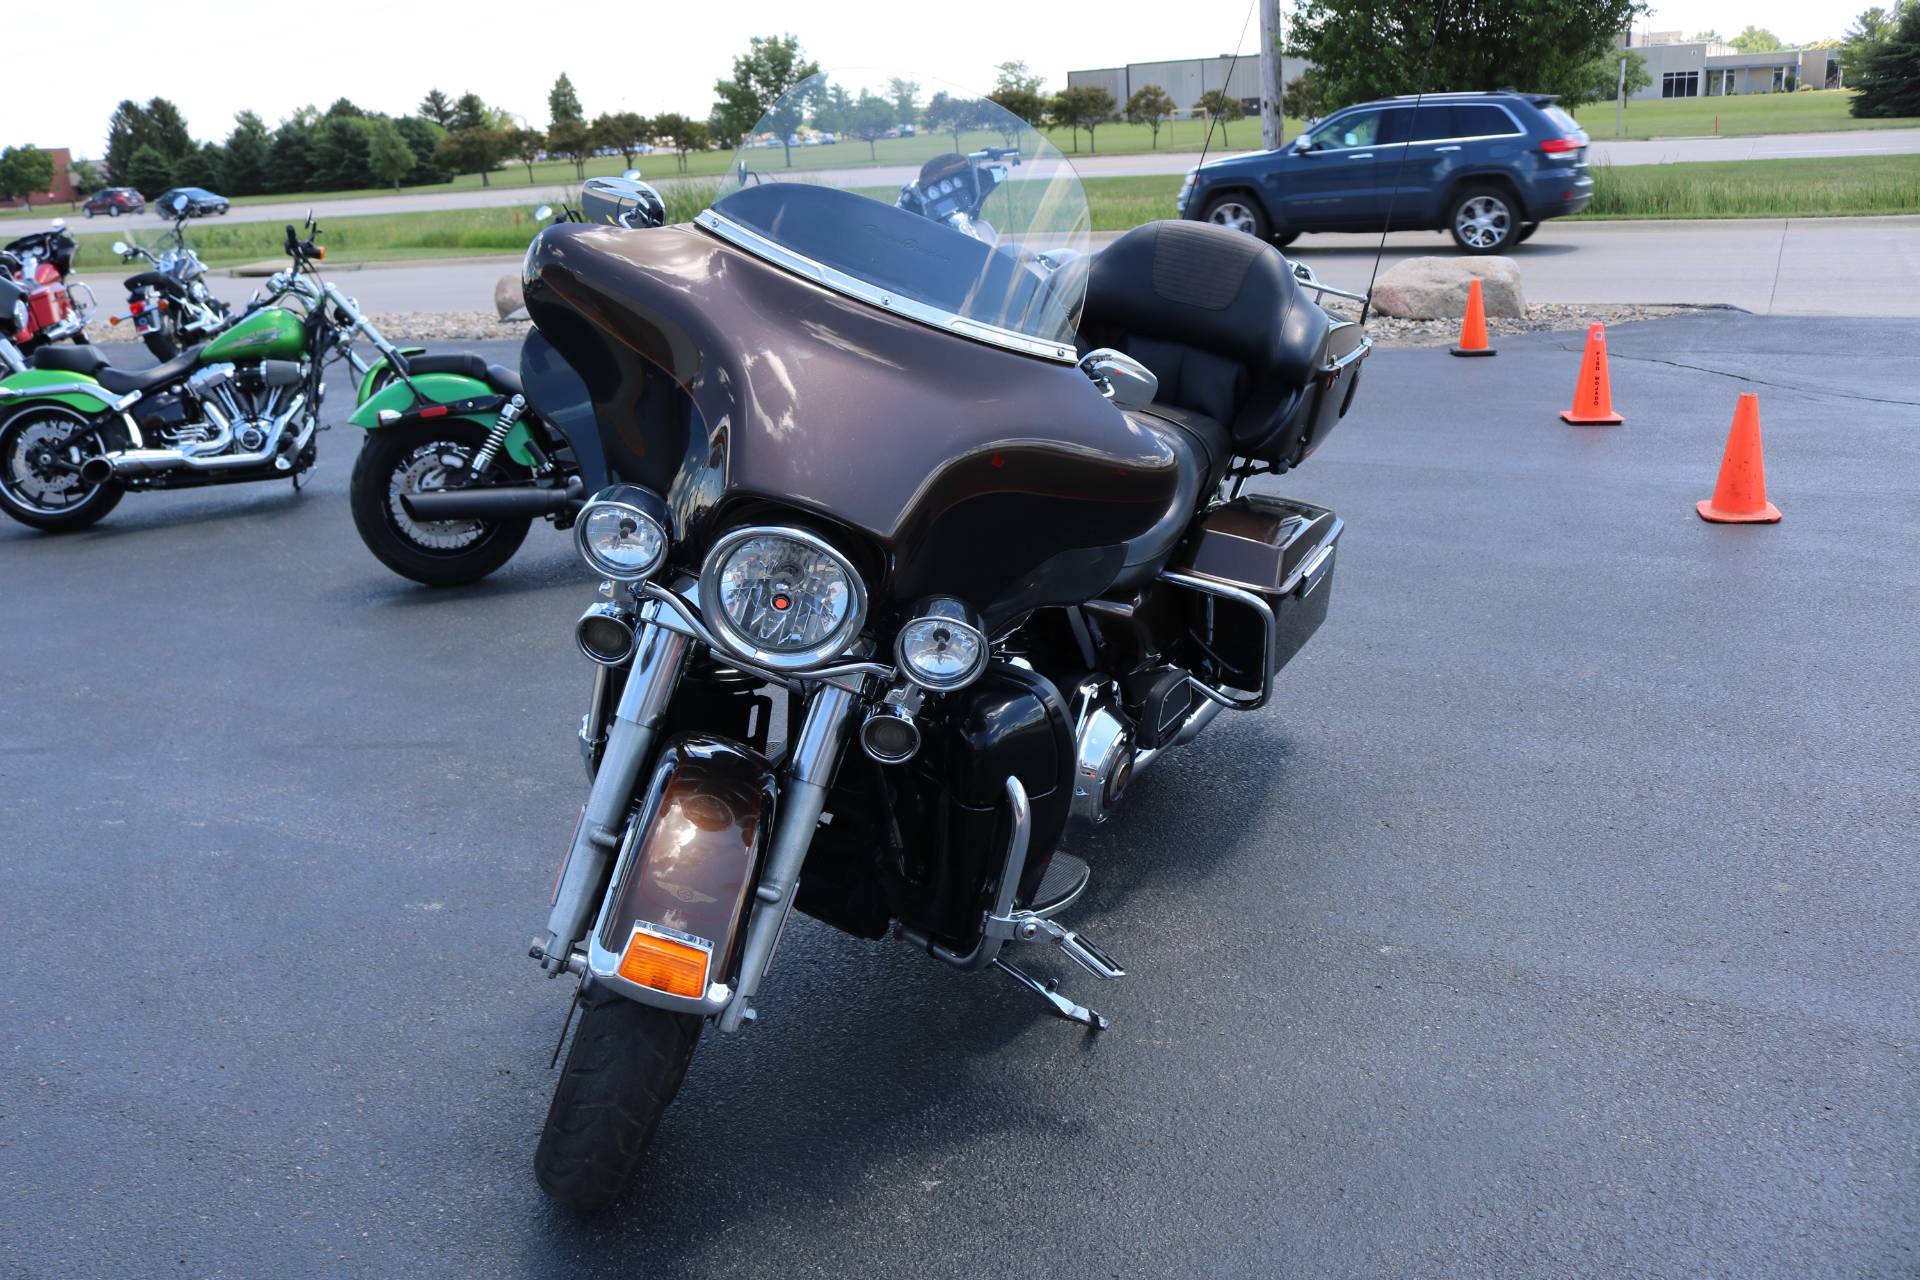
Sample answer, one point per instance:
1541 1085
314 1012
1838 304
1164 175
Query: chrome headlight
21 316
943 648
622 533
781 598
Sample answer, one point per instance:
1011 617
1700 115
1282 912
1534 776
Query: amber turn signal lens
662 964
320 251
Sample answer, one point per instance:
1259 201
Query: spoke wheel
1483 221
40 482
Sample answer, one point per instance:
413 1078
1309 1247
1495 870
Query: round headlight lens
940 651
620 540
22 317
782 597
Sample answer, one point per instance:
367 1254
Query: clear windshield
917 197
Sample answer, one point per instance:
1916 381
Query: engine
224 405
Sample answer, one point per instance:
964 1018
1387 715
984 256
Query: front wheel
1238 213
40 483
419 459
1483 220
625 1066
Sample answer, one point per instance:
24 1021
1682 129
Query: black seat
1219 318
88 360
502 379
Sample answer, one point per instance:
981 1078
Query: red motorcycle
42 307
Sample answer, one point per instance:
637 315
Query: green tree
149 171
524 146
423 136
562 102
249 150
1026 104
950 115
770 66
1711 36
872 116
682 134
1078 107
1365 49
290 162
344 108
389 155
1601 83
342 153
833 110
1304 97
905 95
86 178
1756 40
471 112
571 140
624 131
1887 81
204 166
1150 105
1017 75
167 129
1222 108
1868 30
24 173
437 107
127 132
476 150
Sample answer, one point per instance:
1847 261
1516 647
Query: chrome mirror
544 212
631 175
122 248
1120 377
59 223
622 202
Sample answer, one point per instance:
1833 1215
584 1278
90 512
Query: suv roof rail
1537 99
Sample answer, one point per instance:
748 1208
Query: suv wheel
113 211
1237 213
1483 220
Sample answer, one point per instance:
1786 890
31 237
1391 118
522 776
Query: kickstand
1050 992
564 1027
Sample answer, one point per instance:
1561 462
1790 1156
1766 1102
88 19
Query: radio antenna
1420 93
1231 64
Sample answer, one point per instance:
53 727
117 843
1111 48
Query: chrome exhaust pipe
145 462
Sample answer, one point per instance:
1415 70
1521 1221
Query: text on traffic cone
1593 394
1740 496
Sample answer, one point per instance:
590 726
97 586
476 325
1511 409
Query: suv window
1562 119
1355 129
1482 122
1431 123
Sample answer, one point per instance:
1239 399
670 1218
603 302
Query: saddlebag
1261 571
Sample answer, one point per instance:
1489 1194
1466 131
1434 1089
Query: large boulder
507 298
1436 288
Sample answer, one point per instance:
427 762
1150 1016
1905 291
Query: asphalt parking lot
1557 918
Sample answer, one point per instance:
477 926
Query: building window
1680 84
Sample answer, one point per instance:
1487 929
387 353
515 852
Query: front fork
660 656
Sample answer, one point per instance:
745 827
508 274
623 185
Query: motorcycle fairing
1004 479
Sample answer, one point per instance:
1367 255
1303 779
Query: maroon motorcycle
923 534
42 307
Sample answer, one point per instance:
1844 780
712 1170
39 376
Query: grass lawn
1850 185
1748 113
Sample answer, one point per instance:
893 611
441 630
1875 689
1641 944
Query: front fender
683 883
34 379
370 379
440 388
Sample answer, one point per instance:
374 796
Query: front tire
37 494
1483 220
623 1069
436 553
1238 212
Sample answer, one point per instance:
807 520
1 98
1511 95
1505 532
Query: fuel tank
271 333
962 468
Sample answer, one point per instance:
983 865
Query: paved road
1663 151
1799 266
1556 918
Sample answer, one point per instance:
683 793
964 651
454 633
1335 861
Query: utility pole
1270 89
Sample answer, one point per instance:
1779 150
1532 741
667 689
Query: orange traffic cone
1473 330
1593 395
1740 497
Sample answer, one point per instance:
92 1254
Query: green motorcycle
76 434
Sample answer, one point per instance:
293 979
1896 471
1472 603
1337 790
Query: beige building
1185 79
1708 69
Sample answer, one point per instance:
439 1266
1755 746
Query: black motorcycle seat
465 363
121 381
63 359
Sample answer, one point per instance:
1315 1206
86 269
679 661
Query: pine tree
562 102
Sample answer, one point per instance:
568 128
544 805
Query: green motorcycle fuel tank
271 333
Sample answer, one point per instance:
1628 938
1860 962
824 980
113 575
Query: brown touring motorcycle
923 534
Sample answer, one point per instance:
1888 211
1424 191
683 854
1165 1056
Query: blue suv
1487 167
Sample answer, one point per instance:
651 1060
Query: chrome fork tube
803 796
659 657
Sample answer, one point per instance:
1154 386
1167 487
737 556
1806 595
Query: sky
385 54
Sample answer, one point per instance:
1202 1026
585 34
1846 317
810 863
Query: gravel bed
469 326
